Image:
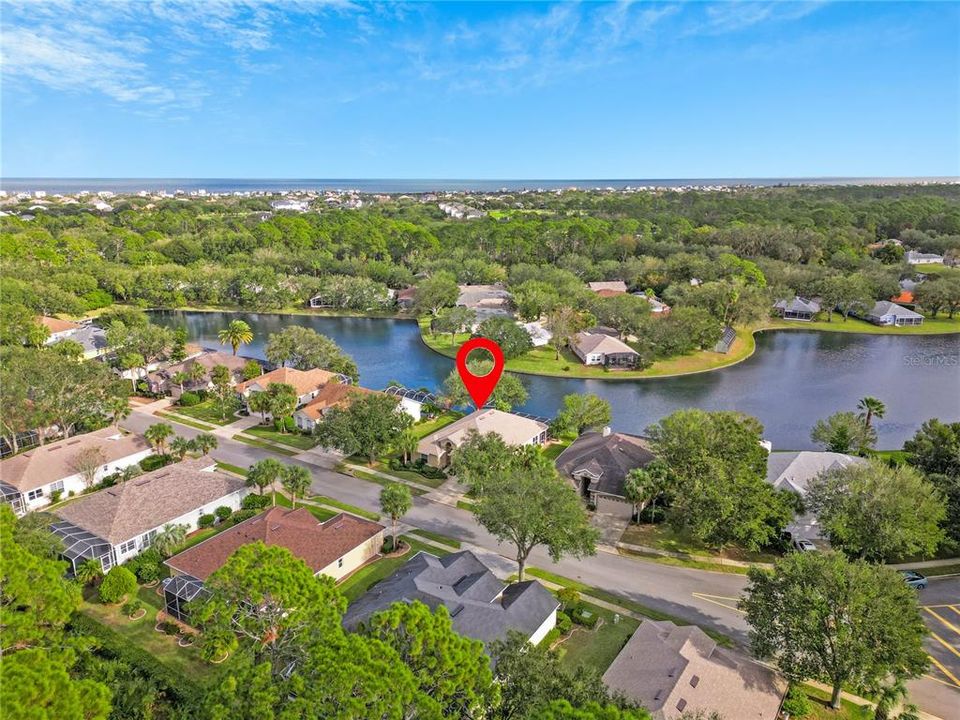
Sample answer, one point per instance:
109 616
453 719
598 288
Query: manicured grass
620 601
941 570
820 707
437 537
209 412
684 562
265 446
295 440
893 457
468 506
235 469
598 647
422 429
198 536
931 326
663 537
410 475
543 360
323 499
370 477
141 633
184 421
553 450
369 575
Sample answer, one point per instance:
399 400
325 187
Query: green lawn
931 326
685 562
235 469
185 421
370 477
323 499
410 475
369 575
209 412
820 707
422 429
553 450
141 633
264 445
620 601
437 537
598 647
663 537
543 360
294 440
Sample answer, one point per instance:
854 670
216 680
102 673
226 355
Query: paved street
701 597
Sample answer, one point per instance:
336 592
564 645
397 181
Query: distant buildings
486 300
918 258
608 288
459 211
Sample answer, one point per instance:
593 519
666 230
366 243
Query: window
128 546
34 494
695 680
58 485
340 563
681 704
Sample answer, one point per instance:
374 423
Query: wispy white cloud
738 15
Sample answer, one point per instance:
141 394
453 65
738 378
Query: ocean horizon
418 185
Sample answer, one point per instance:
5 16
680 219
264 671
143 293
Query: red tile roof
332 395
316 543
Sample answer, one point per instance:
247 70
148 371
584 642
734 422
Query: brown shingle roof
54 461
332 395
303 381
316 543
56 325
129 509
669 669
514 429
587 343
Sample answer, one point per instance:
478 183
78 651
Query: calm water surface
792 380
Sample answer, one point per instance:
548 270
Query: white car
804 545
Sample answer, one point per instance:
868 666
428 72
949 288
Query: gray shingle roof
794 470
885 307
798 304
480 605
608 458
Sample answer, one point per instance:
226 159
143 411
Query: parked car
804 545
914 579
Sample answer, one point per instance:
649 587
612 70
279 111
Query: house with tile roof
161 380
335 547
332 394
306 383
671 670
597 463
601 349
28 480
59 329
480 605
608 288
119 522
437 447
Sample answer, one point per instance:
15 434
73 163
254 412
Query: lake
794 378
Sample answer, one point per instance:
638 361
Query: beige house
306 383
670 670
435 449
68 466
602 349
334 547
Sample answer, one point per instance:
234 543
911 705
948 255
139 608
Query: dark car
914 579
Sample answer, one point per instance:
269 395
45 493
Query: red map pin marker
480 387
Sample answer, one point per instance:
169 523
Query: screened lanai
80 545
180 590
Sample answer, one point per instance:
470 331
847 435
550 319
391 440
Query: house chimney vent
606 431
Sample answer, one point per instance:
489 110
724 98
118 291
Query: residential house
27 480
486 300
671 670
796 309
480 606
335 547
406 297
599 349
885 312
658 308
608 288
435 449
161 380
539 335
59 329
597 463
92 338
332 394
793 471
306 383
119 522
918 258
412 401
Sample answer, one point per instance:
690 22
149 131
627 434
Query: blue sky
232 88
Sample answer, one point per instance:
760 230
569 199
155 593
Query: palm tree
130 472
204 443
118 408
395 501
260 402
132 362
264 473
179 378
283 401
196 372
157 435
180 446
89 572
891 696
169 539
871 407
235 334
407 444
296 481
